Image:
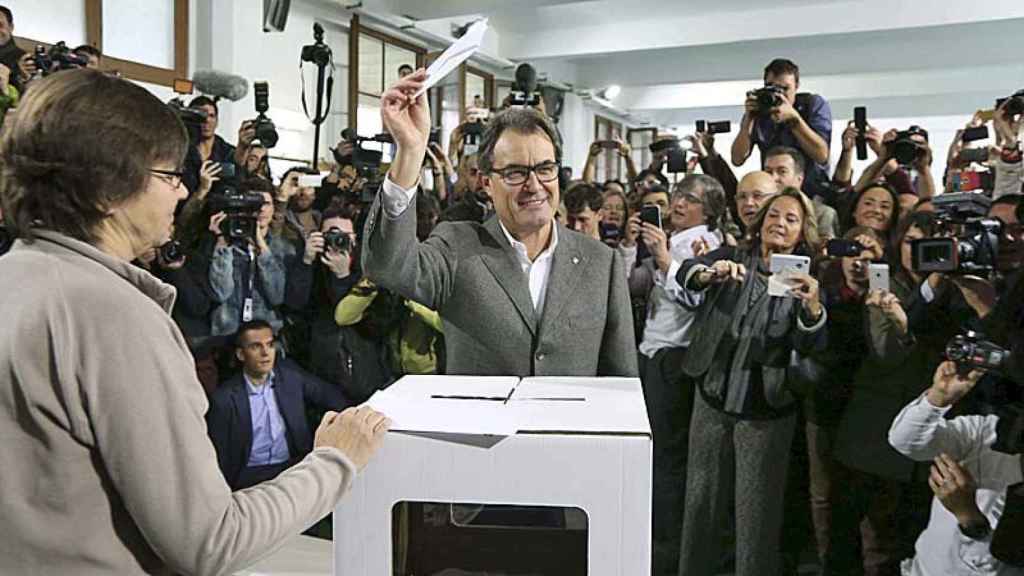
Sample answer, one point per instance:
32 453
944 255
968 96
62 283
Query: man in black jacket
257 419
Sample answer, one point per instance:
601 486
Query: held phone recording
310 180
651 214
878 277
783 267
842 248
974 134
608 144
860 120
721 127
227 171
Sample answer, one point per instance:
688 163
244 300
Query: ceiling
680 59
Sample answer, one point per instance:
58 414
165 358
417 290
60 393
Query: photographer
108 420
442 174
1009 173
915 142
621 149
777 116
90 54
968 477
250 277
328 270
294 215
843 175
211 146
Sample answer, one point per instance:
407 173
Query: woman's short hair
80 144
810 242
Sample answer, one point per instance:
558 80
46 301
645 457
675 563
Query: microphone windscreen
526 78
221 84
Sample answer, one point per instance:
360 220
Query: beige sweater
105 465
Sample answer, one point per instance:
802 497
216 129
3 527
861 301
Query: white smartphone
780 263
311 180
878 277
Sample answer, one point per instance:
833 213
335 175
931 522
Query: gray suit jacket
469 273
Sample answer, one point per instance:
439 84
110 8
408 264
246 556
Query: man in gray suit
519 294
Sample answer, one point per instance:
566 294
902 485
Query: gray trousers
751 456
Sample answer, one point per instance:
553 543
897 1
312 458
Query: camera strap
247 303
329 89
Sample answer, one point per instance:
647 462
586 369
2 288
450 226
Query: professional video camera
675 154
905 148
58 57
967 242
974 351
367 162
266 132
337 239
192 118
241 210
768 97
524 89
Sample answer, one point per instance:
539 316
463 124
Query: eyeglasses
515 175
172 177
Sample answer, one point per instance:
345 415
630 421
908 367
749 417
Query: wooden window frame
612 158
128 68
356 29
488 85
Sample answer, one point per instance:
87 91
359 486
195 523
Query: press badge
247 310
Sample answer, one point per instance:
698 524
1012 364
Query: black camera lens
337 239
171 251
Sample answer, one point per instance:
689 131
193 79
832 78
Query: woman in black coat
745 413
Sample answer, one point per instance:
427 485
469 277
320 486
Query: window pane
370 55
139 30
394 58
476 91
501 92
49 20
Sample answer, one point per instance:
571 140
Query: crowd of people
822 415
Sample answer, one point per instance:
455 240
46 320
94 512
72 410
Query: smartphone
702 126
973 155
842 248
721 127
227 171
651 214
860 120
780 263
878 277
310 180
973 134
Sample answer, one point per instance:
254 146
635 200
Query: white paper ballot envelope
456 54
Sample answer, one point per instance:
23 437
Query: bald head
752 192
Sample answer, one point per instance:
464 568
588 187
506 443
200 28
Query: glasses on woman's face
172 177
515 175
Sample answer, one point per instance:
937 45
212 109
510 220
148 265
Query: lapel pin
575 260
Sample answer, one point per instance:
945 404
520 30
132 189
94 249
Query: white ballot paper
456 54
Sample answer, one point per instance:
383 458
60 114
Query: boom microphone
221 85
526 78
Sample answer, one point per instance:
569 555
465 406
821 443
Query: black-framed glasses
515 175
172 177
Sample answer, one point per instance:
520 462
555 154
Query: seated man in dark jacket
257 419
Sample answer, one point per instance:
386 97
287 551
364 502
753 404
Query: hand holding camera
314 246
246 133
949 385
890 306
27 66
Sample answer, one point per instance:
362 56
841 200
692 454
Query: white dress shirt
922 433
396 200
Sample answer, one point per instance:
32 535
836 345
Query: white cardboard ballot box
565 442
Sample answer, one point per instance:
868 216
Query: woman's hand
890 306
722 271
805 288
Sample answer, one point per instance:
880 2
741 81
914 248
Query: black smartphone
840 248
860 120
676 163
974 134
702 126
651 214
227 171
973 155
608 144
721 127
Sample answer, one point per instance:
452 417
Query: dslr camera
241 210
768 97
266 132
367 163
58 57
905 148
337 239
318 53
968 240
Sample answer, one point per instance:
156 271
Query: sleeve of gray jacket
394 258
618 346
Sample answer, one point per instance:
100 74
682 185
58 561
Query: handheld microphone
221 85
